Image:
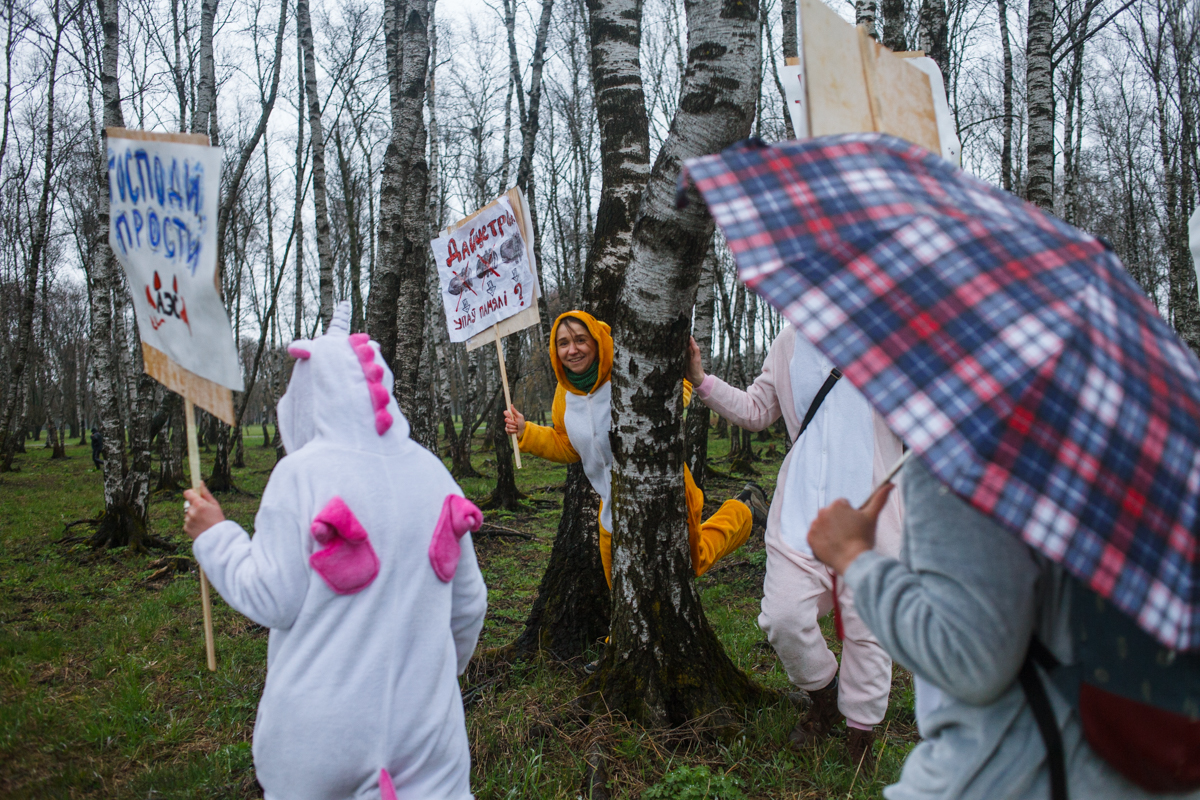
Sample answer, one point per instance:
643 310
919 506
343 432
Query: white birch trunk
317 138
664 665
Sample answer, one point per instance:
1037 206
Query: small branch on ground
492 529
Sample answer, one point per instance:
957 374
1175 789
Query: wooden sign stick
507 397
194 466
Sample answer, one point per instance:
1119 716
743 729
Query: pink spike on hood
341 393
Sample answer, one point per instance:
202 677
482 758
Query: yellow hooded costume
580 433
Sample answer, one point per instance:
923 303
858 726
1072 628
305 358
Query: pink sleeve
758 406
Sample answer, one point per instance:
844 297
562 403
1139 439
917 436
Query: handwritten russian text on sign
163 229
484 271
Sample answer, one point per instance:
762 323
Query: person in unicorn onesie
845 450
581 351
362 566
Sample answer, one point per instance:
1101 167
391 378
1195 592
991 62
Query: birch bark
702 330
10 434
894 17
572 608
317 139
664 664
396 308
933 32
1006 154
866 13
1039 75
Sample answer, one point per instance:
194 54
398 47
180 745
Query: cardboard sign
163 200
846 82
487 273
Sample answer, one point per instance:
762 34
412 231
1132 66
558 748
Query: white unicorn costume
374 603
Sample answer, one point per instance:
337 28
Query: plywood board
837 91
212 397
150 136
905 98
856 84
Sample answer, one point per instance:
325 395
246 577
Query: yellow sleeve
687 392
549 443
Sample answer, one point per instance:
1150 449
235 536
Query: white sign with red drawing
484 271
163 229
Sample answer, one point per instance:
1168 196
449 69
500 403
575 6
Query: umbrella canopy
1010 350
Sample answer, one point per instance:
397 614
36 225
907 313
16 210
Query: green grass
104 692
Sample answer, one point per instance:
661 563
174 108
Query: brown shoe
860 746
822 716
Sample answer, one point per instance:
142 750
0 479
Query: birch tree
317 143
397 303
572 606
664 664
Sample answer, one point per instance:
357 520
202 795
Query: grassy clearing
104 693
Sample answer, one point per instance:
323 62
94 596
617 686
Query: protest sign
163 195
488 277
485 270
163 199
846 82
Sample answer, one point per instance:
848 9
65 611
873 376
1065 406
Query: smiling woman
577 351
582 355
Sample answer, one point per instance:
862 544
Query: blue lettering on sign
121 225
161 196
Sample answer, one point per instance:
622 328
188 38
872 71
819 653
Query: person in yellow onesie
581 350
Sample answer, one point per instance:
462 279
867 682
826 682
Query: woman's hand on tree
693 370
514 423
201 511
841 532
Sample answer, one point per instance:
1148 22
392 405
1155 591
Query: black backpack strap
1043 714
826 387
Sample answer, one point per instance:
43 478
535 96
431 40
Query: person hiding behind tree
362 567
581 350
841 448
97 448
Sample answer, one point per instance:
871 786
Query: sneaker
860 746
822 716
756 499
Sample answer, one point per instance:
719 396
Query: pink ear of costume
387 790
459 515
347 562
298 352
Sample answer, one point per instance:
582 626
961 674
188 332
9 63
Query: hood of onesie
341 392
603 336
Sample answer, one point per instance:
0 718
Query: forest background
354 131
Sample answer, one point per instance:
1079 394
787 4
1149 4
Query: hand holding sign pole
163 191
488 276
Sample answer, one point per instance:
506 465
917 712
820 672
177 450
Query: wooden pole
194 466
507 397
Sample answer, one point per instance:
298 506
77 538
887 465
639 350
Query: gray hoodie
958 609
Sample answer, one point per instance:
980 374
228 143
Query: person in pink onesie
845 450
361 565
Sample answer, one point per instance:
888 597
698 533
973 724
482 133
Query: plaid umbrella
1009 349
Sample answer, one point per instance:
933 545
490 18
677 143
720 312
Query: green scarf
584 381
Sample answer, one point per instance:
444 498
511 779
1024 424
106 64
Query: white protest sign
163 229
485 270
